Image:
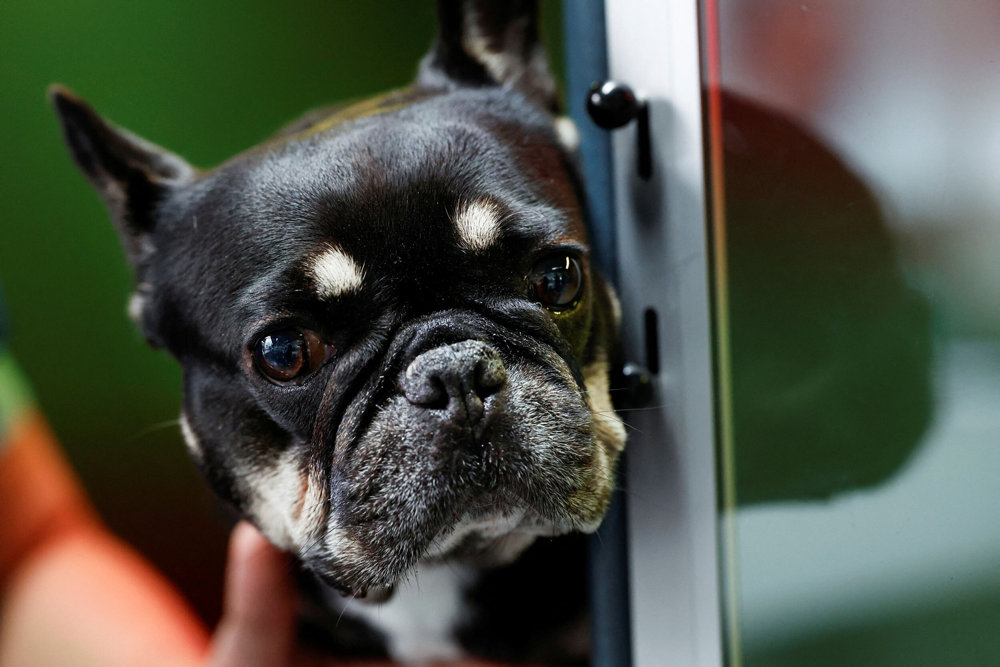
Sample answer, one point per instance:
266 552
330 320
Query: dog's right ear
131 174
490 42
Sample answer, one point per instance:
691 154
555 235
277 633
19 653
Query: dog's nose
453 377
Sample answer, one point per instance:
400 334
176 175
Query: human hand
258 625
259 609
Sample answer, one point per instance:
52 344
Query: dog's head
394 344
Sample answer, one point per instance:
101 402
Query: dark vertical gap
652 330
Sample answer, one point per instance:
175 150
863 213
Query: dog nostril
425 387
490 376
462 374
435 394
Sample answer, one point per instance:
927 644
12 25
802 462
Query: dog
396 353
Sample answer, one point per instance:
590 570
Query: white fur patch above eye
478 225
334 273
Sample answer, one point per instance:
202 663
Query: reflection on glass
861 187
830 347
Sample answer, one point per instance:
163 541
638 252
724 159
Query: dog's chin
479 540
488 538
481 536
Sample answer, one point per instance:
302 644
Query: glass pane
856 167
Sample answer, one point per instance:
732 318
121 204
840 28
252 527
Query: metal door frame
660 246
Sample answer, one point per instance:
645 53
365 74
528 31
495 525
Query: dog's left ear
131 174
490 42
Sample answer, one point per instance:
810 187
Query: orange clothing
70 592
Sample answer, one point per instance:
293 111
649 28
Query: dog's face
394 345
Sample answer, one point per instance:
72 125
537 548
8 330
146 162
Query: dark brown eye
283 356
557 281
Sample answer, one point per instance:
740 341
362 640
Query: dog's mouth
476 538
481 537
446 522
488 537
420 500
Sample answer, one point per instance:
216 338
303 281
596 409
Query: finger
259 613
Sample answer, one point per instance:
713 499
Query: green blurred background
205 79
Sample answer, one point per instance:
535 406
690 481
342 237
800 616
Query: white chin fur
419 620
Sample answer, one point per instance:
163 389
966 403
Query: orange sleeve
71 592
39 495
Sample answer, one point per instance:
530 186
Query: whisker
343 611
155 427
643 409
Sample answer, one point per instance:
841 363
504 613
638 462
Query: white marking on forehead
190 439
334 273
478 225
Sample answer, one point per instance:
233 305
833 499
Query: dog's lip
483 522
374 594
478 519
343 589
378 566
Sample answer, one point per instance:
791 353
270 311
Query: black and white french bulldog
396 352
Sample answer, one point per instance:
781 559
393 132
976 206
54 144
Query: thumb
259 612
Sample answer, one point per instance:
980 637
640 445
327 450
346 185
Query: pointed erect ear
131 174
484 42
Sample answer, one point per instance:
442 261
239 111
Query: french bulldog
396 352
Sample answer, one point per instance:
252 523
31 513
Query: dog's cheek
609 430
250 461
574 445
609 440
576 325
550 421
214 464
191 441
608 426
287 499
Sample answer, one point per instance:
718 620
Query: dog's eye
282 356
557 281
